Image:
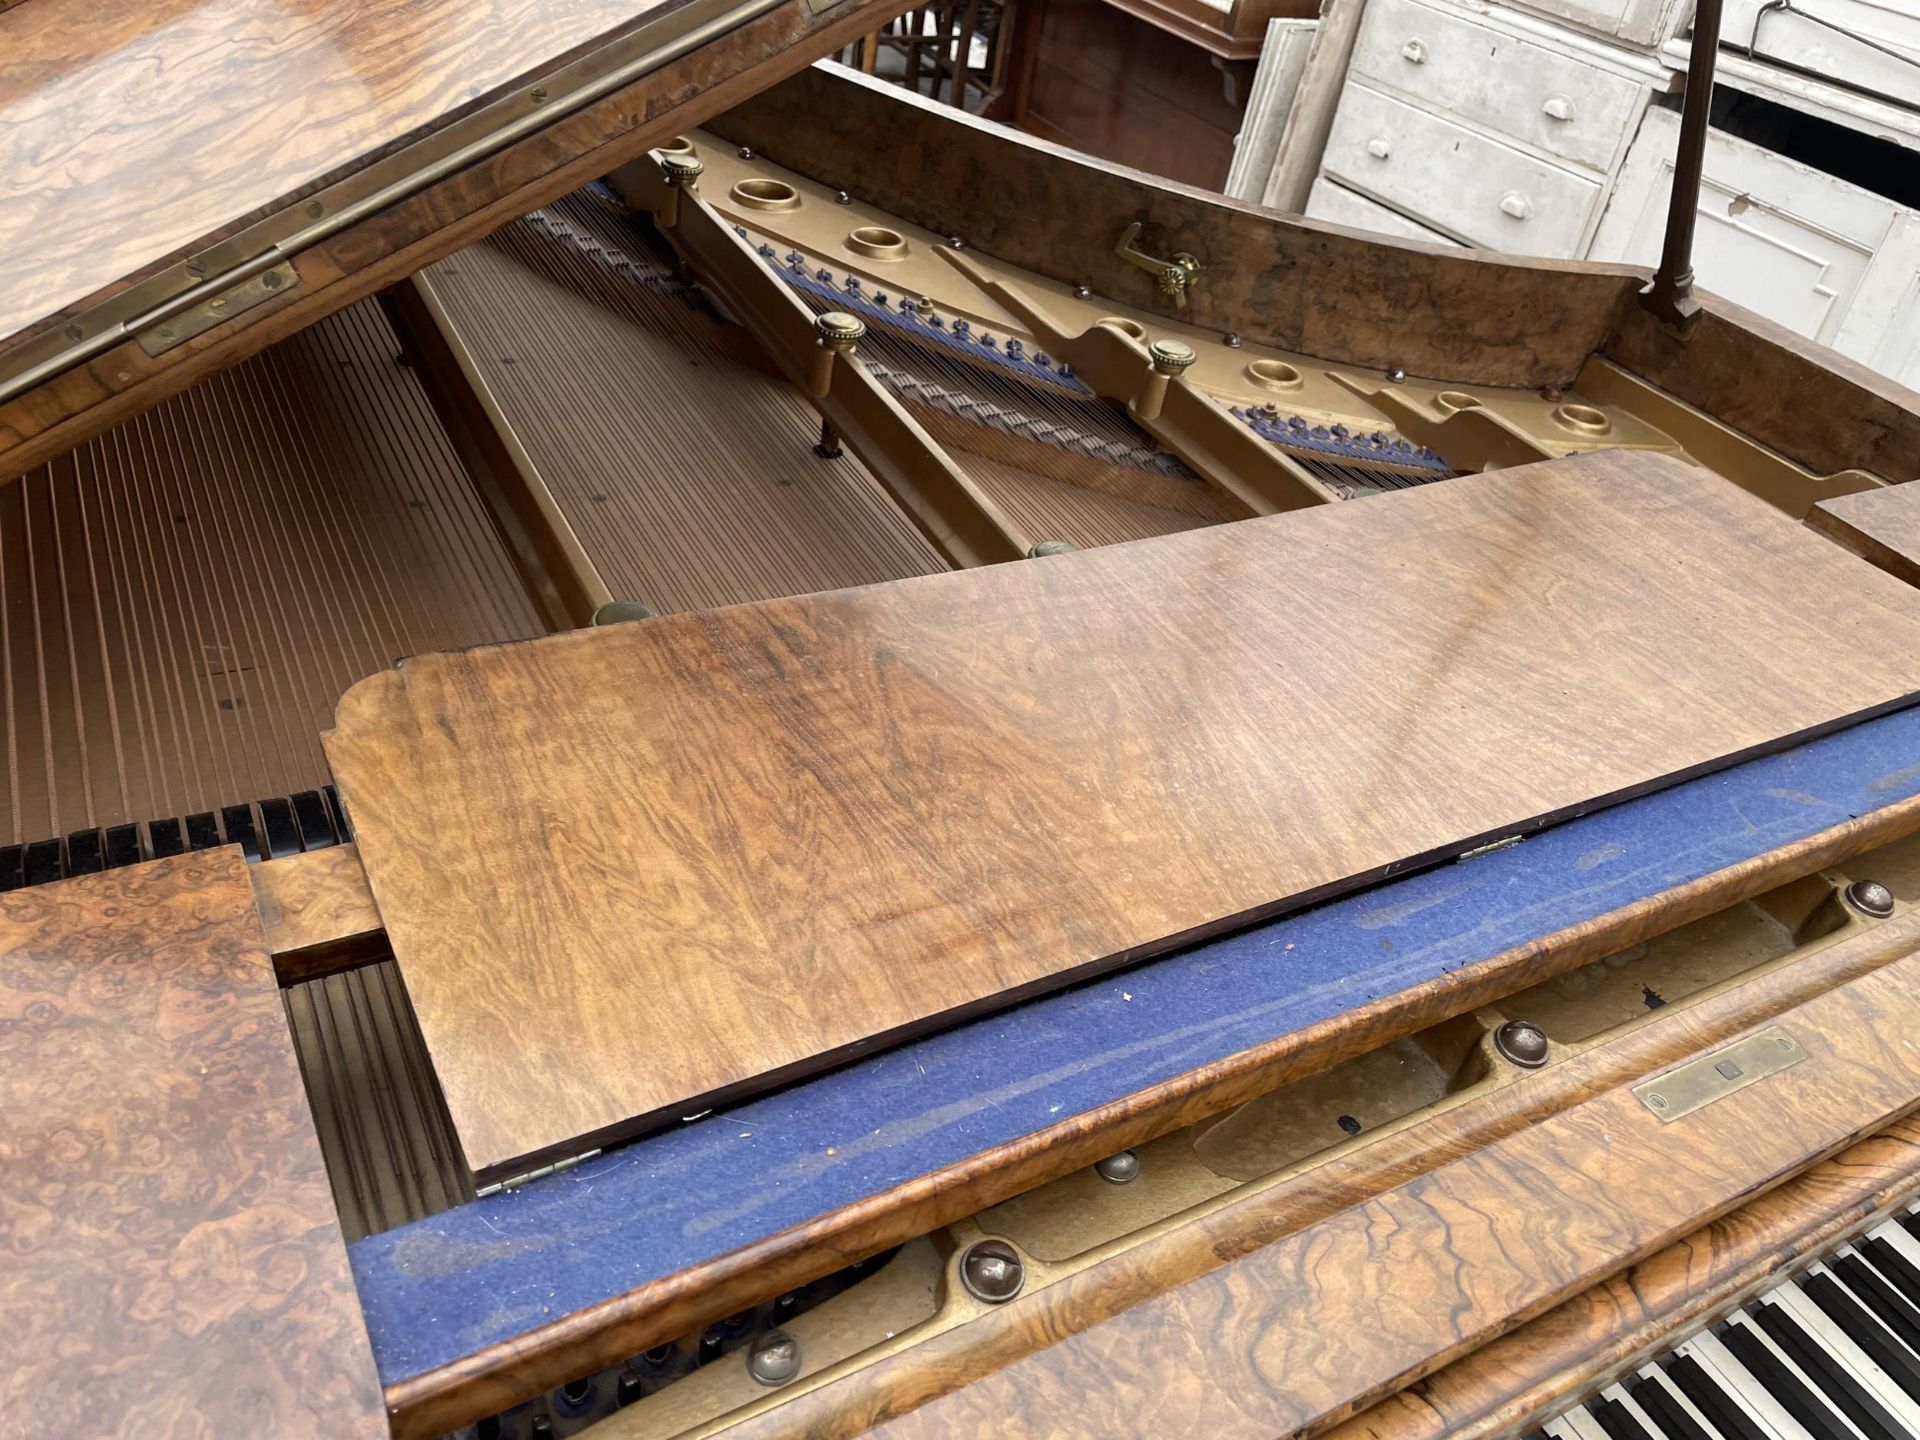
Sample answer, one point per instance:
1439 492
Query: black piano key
283 836
1666 1412
123 846
1912 1222
1853 1320
1870 1288
13 868
339 813
167 838
42 862
1789 1392
1828 1373
86 852
1897 1269
1614 1418
240 829
202 832
316 827
1726 1414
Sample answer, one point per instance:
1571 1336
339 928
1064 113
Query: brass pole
1670 297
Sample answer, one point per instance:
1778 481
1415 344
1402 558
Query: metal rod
1670 297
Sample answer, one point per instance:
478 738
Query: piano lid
631 872
173 174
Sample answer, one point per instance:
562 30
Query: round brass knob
1170 357
839 331
682 170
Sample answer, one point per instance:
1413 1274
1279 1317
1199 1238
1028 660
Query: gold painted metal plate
1700 1082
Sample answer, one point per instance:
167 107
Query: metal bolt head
954 242
315 209
991 1271
842 198
839 331
774 1358
1232 339
616 612
746 152
1118 1169
681 170
539 95
1050 547
272 280
1870 898
1083 292
1522 1042
1396 375
1170 357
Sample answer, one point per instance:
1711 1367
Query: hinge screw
991 1271
774 1358
1050 547
1522 1042
539 95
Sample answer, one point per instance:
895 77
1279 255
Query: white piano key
1855 1361
1582 1426
1765 1411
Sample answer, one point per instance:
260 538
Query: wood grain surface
720 848
172 1262
1881 525
1814 405
317 913
499 1375
128 132
58 414
1533 1373
1287 1333
1279 280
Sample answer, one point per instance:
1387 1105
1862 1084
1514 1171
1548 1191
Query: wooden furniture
336 156
1286 1306
1882 525
628 843
1160 85
174 1264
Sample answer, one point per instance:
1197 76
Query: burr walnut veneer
659 863
173 1263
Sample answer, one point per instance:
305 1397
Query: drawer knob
1415 51
1379 149
1558 107
1515 204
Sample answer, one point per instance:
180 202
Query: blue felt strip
494 1269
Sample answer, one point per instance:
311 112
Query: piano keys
1830 1353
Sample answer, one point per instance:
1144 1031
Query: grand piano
695 748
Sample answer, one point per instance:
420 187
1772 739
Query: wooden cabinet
1838 264
1464 182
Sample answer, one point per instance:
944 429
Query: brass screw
315 209
539 96
271 280
1658 1102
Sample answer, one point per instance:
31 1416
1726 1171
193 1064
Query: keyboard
1830 1354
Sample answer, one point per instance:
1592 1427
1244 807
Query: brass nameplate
1683 1090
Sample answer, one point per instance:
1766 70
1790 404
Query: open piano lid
183 182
